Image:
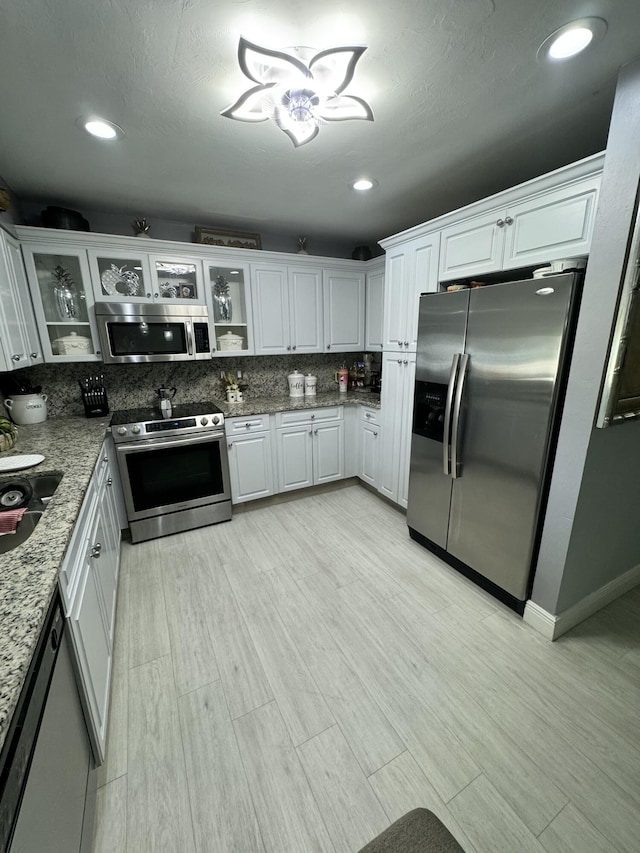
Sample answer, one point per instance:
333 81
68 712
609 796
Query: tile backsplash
130 386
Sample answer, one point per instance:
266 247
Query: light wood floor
297 679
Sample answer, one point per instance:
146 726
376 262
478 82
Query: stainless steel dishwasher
47 781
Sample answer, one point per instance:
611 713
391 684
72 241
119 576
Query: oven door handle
157 444
188 327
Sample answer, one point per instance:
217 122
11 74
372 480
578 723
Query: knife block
95 403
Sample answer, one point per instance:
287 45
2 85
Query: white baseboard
553 626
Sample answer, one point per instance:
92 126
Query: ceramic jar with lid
310 383
27 408
296 384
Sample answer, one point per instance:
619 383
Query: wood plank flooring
297 679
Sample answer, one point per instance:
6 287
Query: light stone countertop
29 573
284 403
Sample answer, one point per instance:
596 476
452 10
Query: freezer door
441 334
515 343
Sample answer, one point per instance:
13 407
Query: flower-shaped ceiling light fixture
299 90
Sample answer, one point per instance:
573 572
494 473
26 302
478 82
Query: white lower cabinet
369 439
309 447
250 457
88 583
399 373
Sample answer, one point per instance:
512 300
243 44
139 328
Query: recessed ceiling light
571 39
100 127
362 184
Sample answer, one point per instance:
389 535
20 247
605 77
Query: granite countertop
285 403
29 573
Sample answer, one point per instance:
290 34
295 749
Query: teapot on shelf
166 395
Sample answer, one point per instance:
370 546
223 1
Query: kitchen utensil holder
95 402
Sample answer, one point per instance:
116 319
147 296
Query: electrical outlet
239 374
222 374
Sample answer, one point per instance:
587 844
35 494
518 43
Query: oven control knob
122 430
203 421
215 419
135 430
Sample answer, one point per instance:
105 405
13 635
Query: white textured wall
590 487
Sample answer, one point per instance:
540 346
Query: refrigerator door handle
456 431
446 442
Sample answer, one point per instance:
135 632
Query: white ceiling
462 108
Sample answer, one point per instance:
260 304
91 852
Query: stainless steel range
175 471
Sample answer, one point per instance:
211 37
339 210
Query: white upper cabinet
229 301
344 294
270 302
175 278
538 229
411 269
19 341
120 276
62 297
305 309
374 310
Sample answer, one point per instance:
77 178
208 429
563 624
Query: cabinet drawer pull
312 417
247 425
367 414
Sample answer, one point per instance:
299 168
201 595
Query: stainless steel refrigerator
490 374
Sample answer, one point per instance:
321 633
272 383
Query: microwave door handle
189 338
446 440
456 431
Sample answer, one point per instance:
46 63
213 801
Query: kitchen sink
44 487
24 530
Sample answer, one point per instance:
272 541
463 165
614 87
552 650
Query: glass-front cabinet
230 307
176 279
60 285
120 277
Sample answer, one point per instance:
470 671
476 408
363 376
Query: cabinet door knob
405 361
293 347
399 343
406 343
310 432
34 355
508 220
399 361
367 414
96 550
315 432
230 445
148 295
17 357
288 347
156 295
110 481
328 346
375 433
500 223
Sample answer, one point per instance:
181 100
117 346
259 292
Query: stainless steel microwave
136 333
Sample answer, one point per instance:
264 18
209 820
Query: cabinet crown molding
563 176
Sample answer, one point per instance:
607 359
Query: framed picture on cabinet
233 239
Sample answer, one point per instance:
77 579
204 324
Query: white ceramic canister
310 383
296 384
27 408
